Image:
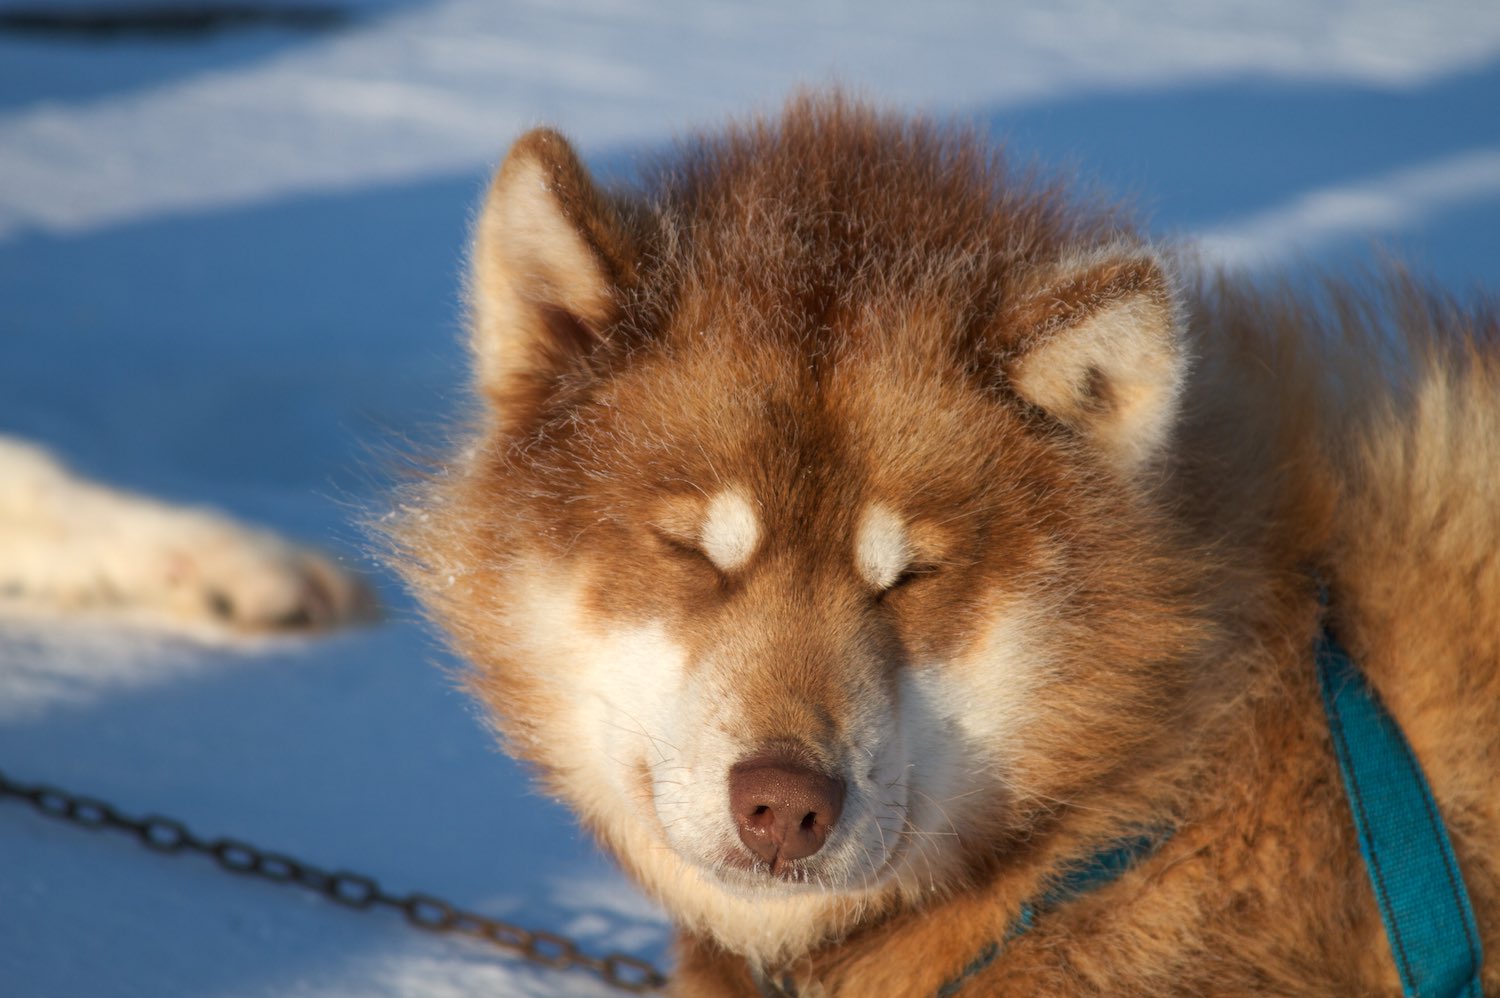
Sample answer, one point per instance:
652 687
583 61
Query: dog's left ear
550 259
1101 351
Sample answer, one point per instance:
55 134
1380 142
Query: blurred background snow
229 272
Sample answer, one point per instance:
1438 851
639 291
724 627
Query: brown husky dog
859 534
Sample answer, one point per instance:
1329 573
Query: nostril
783 808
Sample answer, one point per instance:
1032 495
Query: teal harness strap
1103 868
1408 857
1100 870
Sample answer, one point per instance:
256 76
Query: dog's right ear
550 258
1102 352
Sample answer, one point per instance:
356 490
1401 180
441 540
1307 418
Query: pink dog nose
783 809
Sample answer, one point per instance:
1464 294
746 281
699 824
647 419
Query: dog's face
806 561
795 632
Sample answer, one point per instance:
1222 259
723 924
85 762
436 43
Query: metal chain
352 890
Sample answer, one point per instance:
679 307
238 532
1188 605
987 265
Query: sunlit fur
1039 513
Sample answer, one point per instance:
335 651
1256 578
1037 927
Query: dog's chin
745 875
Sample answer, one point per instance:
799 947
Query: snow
1392 201
437 87
229 272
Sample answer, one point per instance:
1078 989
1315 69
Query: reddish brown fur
830 305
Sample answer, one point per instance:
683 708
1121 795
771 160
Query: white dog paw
222 572
68 545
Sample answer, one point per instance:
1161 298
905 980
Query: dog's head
808 545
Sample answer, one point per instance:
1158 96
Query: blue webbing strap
1103 868
1407 854
1100 870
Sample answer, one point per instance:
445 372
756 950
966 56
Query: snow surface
228 273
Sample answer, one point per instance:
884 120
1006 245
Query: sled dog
865 536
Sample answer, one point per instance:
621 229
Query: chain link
352 890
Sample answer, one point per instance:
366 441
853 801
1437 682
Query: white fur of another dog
68 544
